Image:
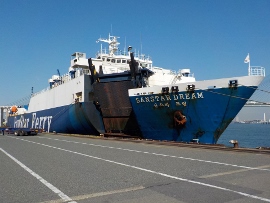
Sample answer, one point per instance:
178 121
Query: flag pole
247 60
249 64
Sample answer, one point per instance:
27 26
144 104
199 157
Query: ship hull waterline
207 113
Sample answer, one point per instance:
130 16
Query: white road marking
230 172
63 196
164 155
99 194
153 172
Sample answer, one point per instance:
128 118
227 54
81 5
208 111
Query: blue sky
211 37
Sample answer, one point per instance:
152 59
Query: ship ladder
175 78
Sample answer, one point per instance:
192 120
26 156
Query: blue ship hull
79 118
207 113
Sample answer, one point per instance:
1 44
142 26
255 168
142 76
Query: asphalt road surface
49 168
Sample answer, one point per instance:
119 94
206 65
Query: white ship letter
44 121
15 122
27 122
168 97
162 98
33 119
181 96
49 122
40 122
37 121
200 95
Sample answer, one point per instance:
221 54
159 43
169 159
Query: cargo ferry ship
124 93
92 97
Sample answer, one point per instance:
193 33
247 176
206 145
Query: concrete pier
57 168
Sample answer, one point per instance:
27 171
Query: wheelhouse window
124 61
108 59
118 61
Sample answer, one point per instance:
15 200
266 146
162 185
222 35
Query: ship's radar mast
113 43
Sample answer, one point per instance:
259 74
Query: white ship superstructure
72 85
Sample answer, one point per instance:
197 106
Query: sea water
251 135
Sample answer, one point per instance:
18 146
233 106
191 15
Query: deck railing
257 71
137 55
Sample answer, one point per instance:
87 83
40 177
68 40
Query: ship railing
137 55
44 90
118 52
64 78
190 75
257 71
80 72
142 57
173 72
165 71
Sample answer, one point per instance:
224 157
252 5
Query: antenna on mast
113 43
125 45
111 30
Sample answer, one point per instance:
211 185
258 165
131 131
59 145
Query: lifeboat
14 109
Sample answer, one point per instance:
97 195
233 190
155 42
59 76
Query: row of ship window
124 61
116 60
